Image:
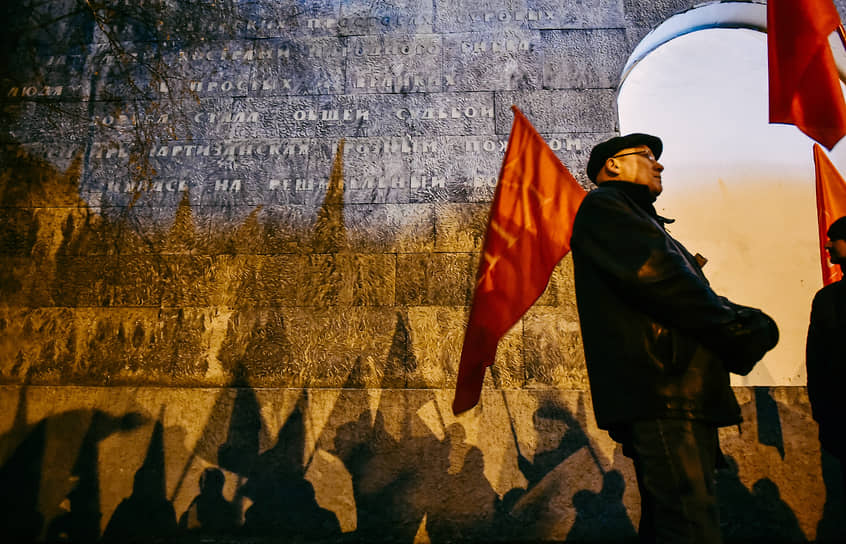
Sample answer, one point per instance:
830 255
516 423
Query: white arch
751 14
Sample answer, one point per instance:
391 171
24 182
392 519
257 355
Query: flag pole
498 385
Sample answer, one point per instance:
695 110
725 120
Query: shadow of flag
769 422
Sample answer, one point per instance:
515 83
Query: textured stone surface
467 15
590 110
390 64
583 59
494 61
642 17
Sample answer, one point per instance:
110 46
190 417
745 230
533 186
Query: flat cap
603 151
837 230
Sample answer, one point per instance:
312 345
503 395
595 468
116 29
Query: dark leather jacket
826 365
647 314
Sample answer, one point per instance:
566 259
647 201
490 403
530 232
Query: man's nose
659 166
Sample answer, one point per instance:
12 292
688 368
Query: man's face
836 251
638 165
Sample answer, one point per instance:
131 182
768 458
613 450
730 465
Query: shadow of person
245 432
465 505
383 479
146 514
284 504
558 435
756 515
602 514
832 525
20 479
210 512
82 522
737 512
778 522
552 421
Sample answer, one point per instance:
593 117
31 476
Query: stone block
18 232
361 17
440 279
48 74
562 112
401 115
642 17
105 345
460 227
27 121
583 59
451 278
561 289
412 286
299 67
579 14
351 347
290 18
469 16
356 279
398 228
208 69
497 60
64 25
396 64
553 349
274 117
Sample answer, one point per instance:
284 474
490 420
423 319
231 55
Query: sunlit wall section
742 190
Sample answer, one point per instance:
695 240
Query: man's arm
655 274
816 352
645 265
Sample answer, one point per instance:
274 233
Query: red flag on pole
529 228
831 205
804 84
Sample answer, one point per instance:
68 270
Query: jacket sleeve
817 352
645 266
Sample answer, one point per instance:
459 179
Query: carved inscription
223 122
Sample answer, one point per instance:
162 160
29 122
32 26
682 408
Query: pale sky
742 190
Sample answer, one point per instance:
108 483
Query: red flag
831 205
804 84
529 228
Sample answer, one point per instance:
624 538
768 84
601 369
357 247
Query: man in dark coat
826 352
659 342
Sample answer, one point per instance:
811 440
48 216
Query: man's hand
743 342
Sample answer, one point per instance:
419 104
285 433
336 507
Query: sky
742 190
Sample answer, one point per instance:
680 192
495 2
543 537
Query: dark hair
837 230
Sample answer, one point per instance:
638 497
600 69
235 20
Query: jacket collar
640 195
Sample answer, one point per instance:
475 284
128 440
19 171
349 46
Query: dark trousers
674 462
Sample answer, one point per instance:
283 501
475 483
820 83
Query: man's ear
612 165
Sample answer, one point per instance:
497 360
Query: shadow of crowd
402 486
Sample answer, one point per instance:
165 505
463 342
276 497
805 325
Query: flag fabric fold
804 86
831 205
528 233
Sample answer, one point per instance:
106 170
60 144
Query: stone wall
242 235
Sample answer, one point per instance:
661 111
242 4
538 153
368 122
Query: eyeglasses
646 153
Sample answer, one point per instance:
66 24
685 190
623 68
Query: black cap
837 230
603 151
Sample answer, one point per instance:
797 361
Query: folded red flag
804 83
529 228
831 205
